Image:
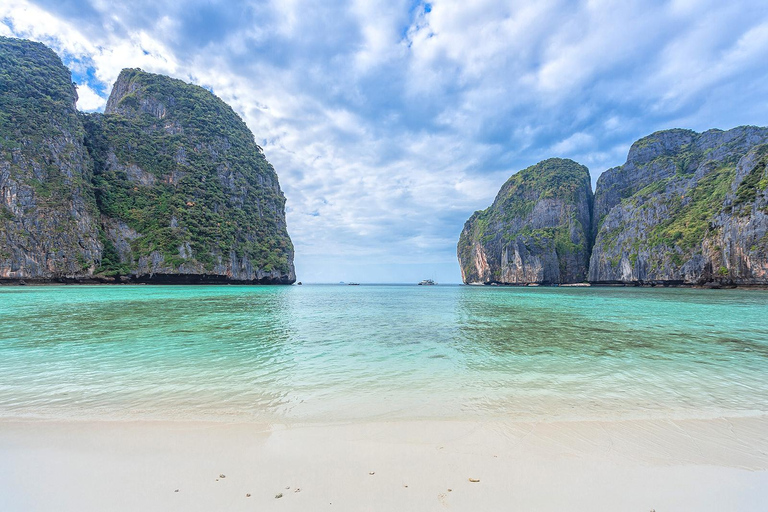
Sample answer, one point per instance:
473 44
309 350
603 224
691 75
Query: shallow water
336 353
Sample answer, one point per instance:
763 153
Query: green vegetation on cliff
553 178
753 183
37 106
35 90
694 213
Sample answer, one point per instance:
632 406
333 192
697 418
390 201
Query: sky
390 122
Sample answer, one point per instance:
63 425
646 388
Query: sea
334 353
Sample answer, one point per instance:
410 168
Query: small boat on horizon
353 284
427 282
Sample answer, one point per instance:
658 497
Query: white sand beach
663 465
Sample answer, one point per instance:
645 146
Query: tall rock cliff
536 231
168 185
686 208
183 188
47 209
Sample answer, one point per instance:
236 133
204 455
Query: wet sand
663 465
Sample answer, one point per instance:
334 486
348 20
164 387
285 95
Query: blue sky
390 122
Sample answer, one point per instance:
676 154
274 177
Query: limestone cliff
183 188
168 185
686 208
536 231
48 227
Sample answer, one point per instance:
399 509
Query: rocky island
686 208
167 185
536 231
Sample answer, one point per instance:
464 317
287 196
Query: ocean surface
324 353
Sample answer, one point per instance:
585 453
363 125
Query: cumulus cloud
390 122
88 100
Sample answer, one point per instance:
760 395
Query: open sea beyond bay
324 353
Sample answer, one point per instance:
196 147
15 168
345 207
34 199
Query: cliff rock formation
48 215
182 186
168 185
686 208
536 231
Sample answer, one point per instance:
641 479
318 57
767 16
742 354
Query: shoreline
184 281
165 280
385 465
630 284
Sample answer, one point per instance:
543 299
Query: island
168 185
686 209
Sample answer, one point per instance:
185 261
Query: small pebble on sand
474 480
372 473
176 490
280 495
248 495
222 476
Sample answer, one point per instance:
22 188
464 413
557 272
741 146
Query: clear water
340 353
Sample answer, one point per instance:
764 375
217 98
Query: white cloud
88 100
577 141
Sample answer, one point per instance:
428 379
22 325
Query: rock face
168 185
686 208
536 231
48 226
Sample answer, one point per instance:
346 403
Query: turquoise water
338 353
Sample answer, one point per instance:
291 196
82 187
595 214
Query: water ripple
335 352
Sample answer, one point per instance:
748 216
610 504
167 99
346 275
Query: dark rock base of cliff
681 284
712 285
198 279
160 279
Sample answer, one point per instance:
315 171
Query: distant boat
427 282
353 284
